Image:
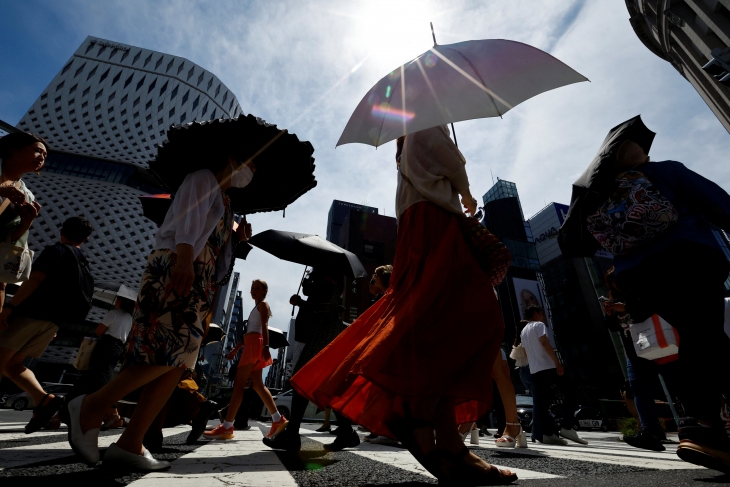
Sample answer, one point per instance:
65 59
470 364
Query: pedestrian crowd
399 371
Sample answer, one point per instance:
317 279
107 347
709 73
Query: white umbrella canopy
451 83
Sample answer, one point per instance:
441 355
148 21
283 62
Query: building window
164 88
212 115
225 97
124 56
99 94
60 85
200 78
111 97
147 61
205 109
44 96
113 53
80 70
159 122
159 108
68 66
171 113
152 86
86 91
73 88
210 83
101 50
174 92
182 117
129 80
103 76
169 65
141 82
180 68
91 73
195 102
217 90
123 101
136 58
185 97
148 117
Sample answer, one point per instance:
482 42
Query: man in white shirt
546 369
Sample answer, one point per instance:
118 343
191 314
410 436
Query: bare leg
153 398
11 364
239 387
500 373
327 414
97 404
257 382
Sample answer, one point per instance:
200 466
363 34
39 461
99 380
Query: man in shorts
30 320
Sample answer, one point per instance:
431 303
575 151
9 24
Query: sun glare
394 32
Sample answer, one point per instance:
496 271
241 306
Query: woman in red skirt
419 359
255 358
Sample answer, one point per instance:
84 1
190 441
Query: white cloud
279 58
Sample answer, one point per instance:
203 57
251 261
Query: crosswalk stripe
241 461
401 458
28 454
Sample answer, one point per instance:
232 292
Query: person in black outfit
56 293
318 323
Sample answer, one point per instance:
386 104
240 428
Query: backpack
635 214
77 302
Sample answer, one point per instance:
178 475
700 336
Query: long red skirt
434 334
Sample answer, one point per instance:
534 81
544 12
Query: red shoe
220 432
277 427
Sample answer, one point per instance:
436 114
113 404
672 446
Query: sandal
460 474
402 428
466 433
114 423
519 441
43 413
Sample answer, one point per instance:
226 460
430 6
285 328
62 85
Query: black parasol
277 338
309 250
592 188
155 206
285 166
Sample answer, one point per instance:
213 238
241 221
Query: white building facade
103 115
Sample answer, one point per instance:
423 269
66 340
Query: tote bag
83 357
654 338
15 261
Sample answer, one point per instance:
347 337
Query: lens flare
393 113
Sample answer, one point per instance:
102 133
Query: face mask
241 177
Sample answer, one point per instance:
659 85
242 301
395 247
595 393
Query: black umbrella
106 292
285 166
155 206
592 188
309 250
277 338
215 334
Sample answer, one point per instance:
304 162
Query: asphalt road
44 459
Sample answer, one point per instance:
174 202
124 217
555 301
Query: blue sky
305 65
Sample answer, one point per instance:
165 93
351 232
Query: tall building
371 237
337 215
103 114
593 356
690 34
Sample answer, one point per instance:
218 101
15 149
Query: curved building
689 34
103 114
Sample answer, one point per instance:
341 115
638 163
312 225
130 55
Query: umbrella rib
433 92
466 75
473 68
382 118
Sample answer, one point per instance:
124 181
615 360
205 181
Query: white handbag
15 261
654 338
83 356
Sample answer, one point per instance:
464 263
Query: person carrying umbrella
400 370
192 252
660 221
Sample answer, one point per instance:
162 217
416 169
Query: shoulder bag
15 261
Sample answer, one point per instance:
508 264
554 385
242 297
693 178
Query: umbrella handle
299 289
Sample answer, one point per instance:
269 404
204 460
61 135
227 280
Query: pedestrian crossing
246 461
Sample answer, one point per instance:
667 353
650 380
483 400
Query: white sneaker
120 459
553 440
572 436
85 445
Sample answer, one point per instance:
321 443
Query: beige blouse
434 171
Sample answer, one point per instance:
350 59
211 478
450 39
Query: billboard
529 293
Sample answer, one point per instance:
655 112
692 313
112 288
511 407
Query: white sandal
464 435
508 442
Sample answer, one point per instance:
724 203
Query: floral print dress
168 328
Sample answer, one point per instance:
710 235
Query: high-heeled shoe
466 433
519 441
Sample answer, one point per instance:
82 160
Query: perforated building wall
115 101
111 104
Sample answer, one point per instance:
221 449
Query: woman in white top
255 358
192 252
401 370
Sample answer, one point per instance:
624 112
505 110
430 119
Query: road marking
241 461
401 458
28 454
